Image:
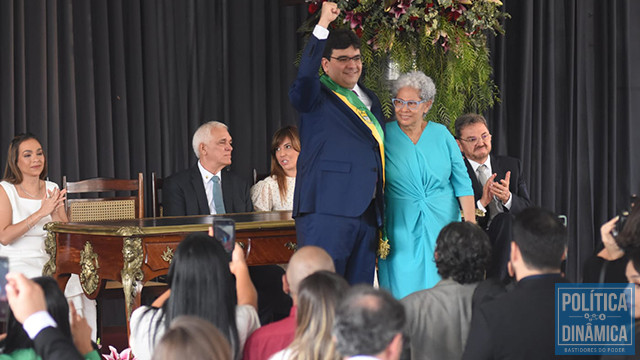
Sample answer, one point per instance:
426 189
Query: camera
623 215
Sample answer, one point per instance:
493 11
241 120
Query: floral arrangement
126 354
445 39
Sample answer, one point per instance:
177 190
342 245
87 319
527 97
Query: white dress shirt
208 189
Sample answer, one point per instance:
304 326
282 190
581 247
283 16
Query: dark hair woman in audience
27 202
610 263
191 337
276 191
201 284
318 296
18 345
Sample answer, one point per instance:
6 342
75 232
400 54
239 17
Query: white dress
145 332
265 194
28 256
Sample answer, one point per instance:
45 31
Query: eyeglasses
345 59
411 104
473 139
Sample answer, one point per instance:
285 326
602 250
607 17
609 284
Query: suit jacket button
374 169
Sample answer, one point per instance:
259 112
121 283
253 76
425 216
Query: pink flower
126 354
400 7
355 19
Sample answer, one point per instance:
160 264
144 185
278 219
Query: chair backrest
258 176
156 204
100 207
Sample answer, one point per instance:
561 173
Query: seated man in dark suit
207 188
521 323
498 186
198 190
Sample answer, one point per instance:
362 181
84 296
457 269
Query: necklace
32 196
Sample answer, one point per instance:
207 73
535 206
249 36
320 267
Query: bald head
306 261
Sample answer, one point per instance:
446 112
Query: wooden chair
258 176
156 204
104 208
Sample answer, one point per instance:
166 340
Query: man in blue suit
338 199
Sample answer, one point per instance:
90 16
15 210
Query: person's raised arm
247 294
328 13
611 249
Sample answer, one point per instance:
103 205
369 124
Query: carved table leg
131 273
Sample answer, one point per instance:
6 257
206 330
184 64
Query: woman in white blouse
276 191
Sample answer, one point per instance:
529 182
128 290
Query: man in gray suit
438 319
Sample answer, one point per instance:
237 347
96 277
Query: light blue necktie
216 199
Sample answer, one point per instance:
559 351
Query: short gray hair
367 320
203 134
417 80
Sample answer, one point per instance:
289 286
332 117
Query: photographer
619 237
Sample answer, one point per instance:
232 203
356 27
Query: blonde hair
318 296
190 337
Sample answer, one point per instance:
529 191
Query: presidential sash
360 109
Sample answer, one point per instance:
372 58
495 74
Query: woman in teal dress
425 179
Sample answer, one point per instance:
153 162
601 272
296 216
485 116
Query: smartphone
224 230
4 304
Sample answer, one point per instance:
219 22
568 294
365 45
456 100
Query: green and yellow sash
360 109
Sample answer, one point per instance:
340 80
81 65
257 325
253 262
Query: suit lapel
201 195
497 167
475 183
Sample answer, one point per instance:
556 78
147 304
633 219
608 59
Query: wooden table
138 250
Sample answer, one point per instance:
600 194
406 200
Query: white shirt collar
476 165
206 175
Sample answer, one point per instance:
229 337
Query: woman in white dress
276 191
27 203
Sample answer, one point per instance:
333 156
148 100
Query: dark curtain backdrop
570 87
115 87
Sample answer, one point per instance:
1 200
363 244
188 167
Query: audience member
29 307
427 184
318 296
369 324
271 338
632 273
190 337
205 188
201 284
438 318
520 324
18 344
338 199
276 191
27 202
610 263
498 186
